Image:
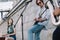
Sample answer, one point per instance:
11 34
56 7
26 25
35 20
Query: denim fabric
35 29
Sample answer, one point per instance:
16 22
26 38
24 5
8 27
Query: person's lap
36 28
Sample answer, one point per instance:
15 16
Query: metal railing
15 9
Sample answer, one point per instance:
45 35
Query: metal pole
22 19
22 22
2 15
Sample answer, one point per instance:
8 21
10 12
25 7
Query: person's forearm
45 19
42 19
12 34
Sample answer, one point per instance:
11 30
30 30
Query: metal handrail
16 6
14 10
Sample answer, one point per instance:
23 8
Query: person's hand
5 35
39 19
35 19
56 12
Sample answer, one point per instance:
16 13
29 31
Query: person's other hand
4 35
56 12
35 19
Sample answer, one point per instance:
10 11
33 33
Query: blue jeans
35 29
